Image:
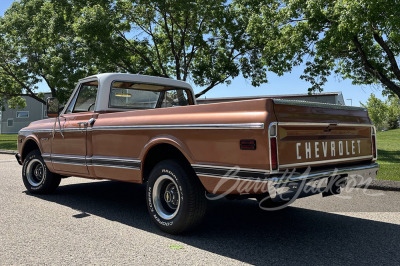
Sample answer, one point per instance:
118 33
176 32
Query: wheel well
159 153
29 146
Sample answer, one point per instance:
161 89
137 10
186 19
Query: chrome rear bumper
327 181
365 171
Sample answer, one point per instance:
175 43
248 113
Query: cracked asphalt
106 223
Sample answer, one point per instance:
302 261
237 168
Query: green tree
393 112
203 41
384 114
377 110
37 44
357 40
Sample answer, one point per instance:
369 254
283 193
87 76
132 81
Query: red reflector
274 154
374 145
247 144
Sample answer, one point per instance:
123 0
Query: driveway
105 222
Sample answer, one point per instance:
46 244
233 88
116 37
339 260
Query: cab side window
176 97
85 99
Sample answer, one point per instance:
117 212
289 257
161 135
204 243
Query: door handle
84 126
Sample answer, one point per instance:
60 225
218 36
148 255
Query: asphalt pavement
106 223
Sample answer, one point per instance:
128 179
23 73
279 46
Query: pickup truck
143 129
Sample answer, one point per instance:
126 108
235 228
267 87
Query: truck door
69 144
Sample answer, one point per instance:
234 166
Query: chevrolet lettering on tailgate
328 149
144 129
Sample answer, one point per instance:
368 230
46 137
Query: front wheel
36 176
175 197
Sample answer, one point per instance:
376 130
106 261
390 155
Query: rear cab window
130 95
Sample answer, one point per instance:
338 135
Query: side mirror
53 106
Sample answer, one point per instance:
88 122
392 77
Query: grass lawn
388 143
8 142
388 152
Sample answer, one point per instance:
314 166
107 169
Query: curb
385 185
8 152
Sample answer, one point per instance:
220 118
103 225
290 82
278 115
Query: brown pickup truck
144 129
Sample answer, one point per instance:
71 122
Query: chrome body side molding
190 126
101 161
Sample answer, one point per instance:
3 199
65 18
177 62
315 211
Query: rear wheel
175 197
36 176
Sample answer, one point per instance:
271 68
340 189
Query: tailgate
314 134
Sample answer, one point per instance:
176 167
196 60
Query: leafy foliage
358 40
37 44
384 114
393 112
201 40
59 41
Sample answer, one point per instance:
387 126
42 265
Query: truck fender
166 139
27 140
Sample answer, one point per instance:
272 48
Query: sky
289 83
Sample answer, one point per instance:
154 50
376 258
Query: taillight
273 145
274 154
373 140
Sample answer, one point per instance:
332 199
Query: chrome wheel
166 197
35 172
175 197
36 176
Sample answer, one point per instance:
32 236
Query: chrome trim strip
73 129
190 126
46 155
315 104
119 159
114 166
322 124
230 168
69 163
51 130
100 161
63 156
325 161
234 171
235 178
277 147
373 135
36 130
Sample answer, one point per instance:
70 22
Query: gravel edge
386 185
8 152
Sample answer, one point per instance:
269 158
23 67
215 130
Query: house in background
12 120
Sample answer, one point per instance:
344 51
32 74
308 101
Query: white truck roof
105 81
